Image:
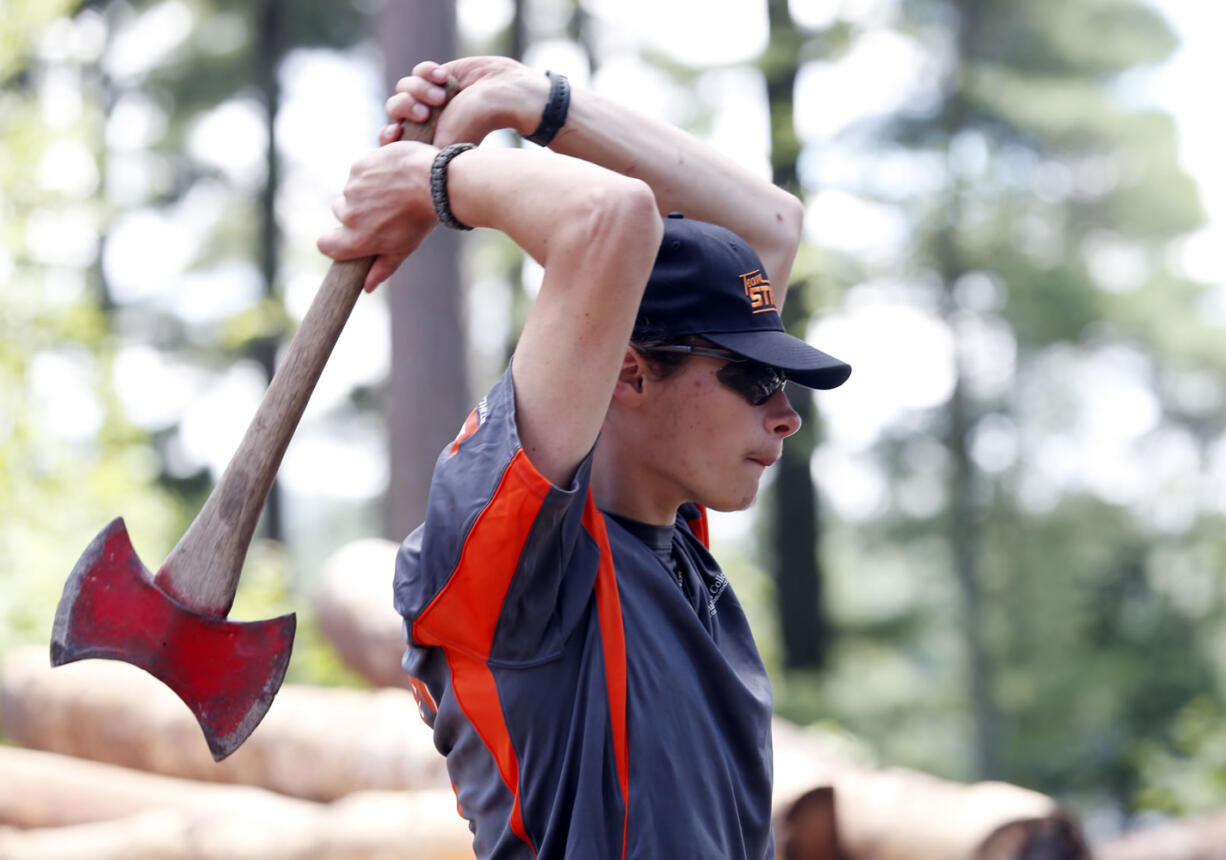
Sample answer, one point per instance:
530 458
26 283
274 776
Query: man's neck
620 487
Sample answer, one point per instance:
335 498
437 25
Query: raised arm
685 174
595 232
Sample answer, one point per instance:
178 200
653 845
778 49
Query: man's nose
782 419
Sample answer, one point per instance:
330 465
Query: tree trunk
964 531
269 49
796 536
965 514
520 37
428 391
795 528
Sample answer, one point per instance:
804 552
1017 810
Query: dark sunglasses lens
755 382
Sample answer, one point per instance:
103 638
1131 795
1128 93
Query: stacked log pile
855 811
316 743
349 773
123 771
58 806
115 767
1196 839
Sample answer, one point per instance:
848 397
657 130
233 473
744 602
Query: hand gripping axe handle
174 625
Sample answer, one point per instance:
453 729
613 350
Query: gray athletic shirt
588 707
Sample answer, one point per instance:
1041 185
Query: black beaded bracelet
556 109
438 185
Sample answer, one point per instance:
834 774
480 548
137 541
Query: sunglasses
754 381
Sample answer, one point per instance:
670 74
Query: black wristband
556 108
438 185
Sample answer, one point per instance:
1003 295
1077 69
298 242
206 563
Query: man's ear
630 377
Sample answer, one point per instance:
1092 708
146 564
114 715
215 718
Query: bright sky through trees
333 107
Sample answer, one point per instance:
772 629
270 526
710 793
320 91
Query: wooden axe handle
202 570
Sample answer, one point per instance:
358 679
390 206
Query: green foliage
1086 624
267 319
1087 39
21 21
1100 630
1046 305
1185 773
69 462
57 491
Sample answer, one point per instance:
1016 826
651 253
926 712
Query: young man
586 669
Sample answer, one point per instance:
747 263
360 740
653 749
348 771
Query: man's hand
495 92
685 174
385 210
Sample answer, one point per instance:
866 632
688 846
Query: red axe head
226 671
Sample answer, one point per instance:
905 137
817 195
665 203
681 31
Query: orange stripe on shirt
463 616
613 642
472 682
700 528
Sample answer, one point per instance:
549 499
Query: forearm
541 202
686 174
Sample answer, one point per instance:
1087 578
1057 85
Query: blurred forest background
999 551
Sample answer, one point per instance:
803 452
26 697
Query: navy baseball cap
707 282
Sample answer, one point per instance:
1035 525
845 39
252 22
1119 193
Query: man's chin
728 506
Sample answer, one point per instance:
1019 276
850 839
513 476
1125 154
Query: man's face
708 443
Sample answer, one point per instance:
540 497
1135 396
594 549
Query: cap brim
809 366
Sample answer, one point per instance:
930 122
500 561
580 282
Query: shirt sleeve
502 566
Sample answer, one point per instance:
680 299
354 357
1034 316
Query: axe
173 625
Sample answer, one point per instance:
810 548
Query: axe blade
227 672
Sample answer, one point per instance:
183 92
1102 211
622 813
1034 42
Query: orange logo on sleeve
474 420
758 291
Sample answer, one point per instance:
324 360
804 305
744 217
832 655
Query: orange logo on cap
758 291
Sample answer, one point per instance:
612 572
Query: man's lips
764 460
